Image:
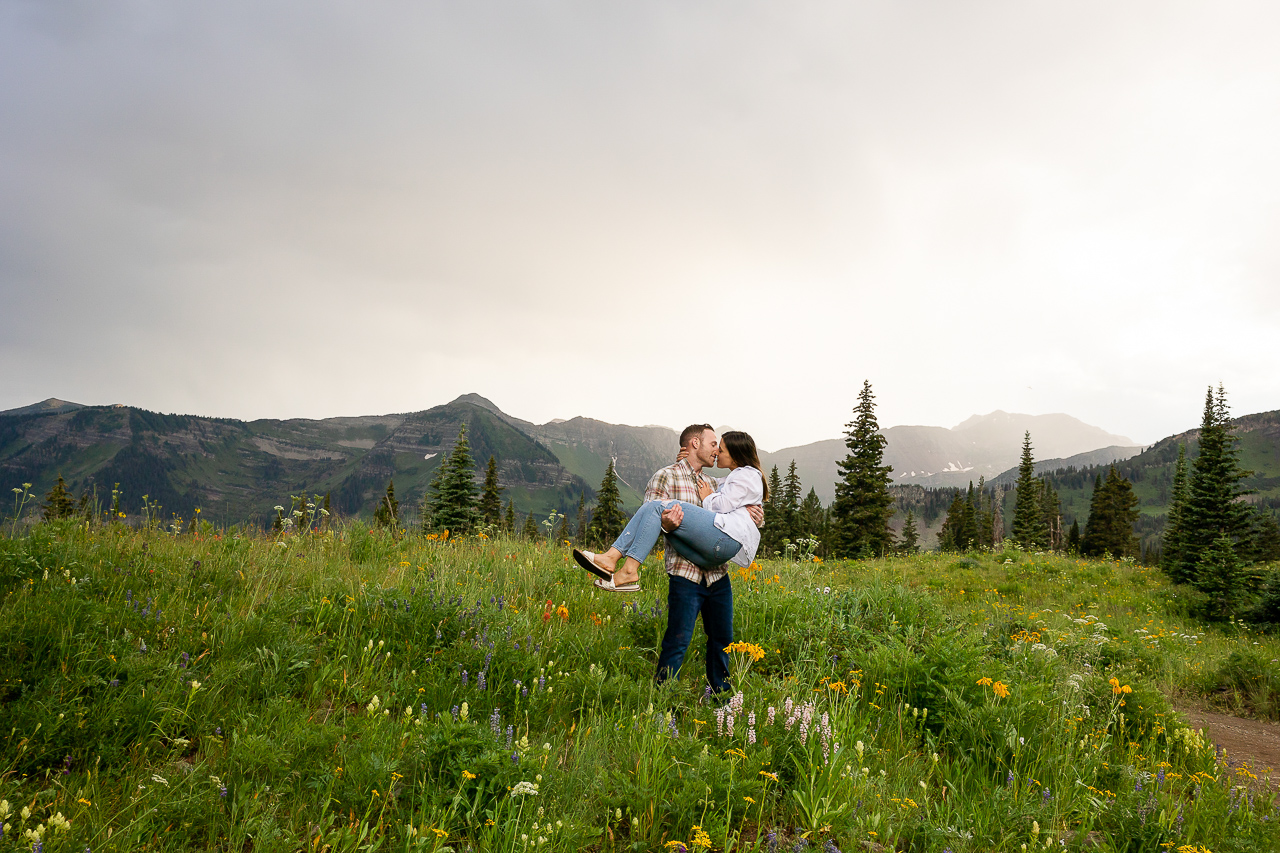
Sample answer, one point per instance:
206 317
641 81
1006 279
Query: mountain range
239 470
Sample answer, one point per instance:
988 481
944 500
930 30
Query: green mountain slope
238 471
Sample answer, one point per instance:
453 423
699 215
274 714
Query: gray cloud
565 206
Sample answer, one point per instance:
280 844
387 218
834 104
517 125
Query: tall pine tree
1029 529
772 534
862 508
910 535
1171 541
608 518
1113 510
453 507
1213 507
790 504
388 512
491 496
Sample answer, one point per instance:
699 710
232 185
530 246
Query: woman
718 532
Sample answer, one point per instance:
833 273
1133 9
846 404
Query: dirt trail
1253 741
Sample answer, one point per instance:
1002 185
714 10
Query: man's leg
717 621
684 600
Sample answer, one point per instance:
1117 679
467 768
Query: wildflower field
351 691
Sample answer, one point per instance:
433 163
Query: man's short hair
693 431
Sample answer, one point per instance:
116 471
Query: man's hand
757 514
672 516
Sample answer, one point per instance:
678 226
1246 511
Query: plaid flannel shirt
678 482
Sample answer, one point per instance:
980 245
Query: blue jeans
697 539
685 599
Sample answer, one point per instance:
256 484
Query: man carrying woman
708 525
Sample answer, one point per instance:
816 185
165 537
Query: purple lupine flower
1008 780
772 711
454 711
115 682
830 846
222 792
1047 795
464 678
480 680
515 758
511 734
772 840
1137 785
185 658
524 691
720 721
671 729
1160 778
728 724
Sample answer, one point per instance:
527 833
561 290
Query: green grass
229 693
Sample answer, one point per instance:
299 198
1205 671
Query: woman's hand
704 489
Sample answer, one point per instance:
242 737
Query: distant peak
51 406
477 400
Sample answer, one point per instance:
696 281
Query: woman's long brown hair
742 448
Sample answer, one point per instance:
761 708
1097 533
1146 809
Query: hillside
239 470
1151 473
236 470
937 457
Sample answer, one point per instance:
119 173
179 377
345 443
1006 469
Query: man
691 589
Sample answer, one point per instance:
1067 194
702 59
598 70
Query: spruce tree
608 518
1222 578
491 495
58 503
530 530
1171 541
580 529
1213 508
862 507
771 535
509 519
388 512
1028 515
790 504
454 504
811 516
951 535
1073 538
910 536
563 533
1112 514
1051 513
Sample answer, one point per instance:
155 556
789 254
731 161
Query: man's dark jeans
685 600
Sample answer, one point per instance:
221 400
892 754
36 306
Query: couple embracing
708 523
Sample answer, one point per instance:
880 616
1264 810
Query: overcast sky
643 212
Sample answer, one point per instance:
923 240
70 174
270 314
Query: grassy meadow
347 691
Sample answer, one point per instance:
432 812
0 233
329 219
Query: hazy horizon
643 213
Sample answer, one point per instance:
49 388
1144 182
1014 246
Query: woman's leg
699 541
635 542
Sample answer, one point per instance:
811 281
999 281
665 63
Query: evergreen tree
1113 511
811 516
789 506
58 503
1028 515
1213 507
910 536
454 503
530 530
951 535
772 534
1073 538
985 513
862 507
1171 541
491 495
580 529
388 512
509 519
608 518
1221 576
